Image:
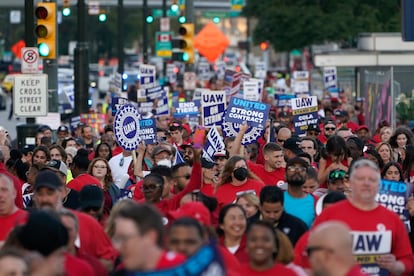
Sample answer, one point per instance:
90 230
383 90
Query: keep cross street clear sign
30 95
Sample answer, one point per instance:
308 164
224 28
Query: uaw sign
213 105
126 127
147 76
30 95
305 112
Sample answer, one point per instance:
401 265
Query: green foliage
290 24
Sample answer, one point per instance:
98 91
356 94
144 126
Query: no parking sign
126 127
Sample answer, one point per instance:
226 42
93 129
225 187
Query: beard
296 181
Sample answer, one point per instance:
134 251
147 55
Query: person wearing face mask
236 178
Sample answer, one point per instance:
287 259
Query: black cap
91 196
313 127
336 174
27 148
207 164
47 179
63 129
293 144
297 160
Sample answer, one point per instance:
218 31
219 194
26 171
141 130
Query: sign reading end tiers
30 95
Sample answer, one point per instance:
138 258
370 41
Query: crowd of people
77 203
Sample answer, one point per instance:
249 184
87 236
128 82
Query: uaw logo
126 126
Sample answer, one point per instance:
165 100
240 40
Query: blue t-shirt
303 208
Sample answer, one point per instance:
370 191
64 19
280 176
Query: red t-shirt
207 189
277 269
300 258
77 267
83 180
271 178
241 252
226 193
230 262
169 259
7 223
96 265
93 239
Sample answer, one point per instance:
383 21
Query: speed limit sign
30 60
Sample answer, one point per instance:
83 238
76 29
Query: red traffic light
264 45
41 13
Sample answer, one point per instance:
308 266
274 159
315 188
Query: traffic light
66 8
149 18
102 17
187 34
174 6
46 29
264 45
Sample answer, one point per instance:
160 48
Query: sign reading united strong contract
126 127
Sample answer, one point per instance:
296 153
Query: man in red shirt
139 237
343 120
49 193
273 171
79 170
10 214
16 182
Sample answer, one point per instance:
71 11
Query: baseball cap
207 164
186 145
91 196
159 149
27 148
57 165
313 127
80 141
336 174
293 144
195 210
47 179
62 129
362 127
296 160
221 153
340 113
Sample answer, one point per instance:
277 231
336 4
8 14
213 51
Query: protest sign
185 109
214 142
161 103
96 120
300 82
126 127
206 262
213 105
330 77
231 83
117 102
305 112
284 100
147 75
251 91
260 70
252 112
203 71
148 131
220 69
393 196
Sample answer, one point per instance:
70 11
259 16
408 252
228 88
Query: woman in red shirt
236 178
231 230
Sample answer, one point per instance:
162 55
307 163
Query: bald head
334 234
283 134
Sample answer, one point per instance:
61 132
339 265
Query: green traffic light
186 57
174 8
102 17
149 19
216 20
182 19
43 49
66 12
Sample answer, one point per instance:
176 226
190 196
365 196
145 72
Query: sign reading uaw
305 113
126 127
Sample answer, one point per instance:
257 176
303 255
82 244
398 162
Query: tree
290 24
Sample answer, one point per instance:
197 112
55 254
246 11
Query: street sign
164 24
158 13
93 8
189 81
220 14
163 47
30 95
30 59
15 17
237 5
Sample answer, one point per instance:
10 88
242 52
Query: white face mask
165 162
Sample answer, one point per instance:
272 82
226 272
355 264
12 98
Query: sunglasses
312 133
296 168
281 141
330 128
311 249
337 174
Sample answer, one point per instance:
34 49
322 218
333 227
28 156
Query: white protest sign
261 69
171 74
190 81
204 70
30 95
300 82
251 91
330 77
213 105
147 75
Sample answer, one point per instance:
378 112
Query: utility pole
164 62
145 32
81 63
29 34
121 55
189 18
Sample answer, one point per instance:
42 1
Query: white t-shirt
119 166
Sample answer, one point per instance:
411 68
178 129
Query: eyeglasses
121 239
313 133
311 249
296 168
100 167
330 128
281 141
150 187
187 176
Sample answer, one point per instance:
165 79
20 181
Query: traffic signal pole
121 56
189 15
145 31
29 34
81 63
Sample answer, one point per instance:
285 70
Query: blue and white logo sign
147 75
126 127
